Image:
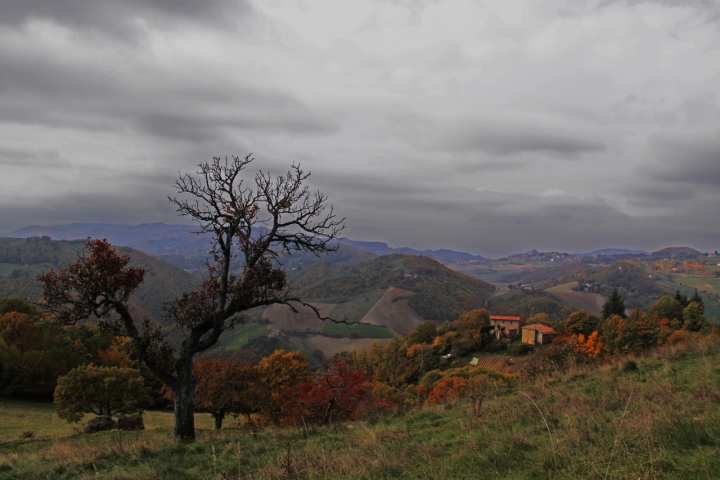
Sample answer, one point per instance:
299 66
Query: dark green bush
521 349
100 424
131 422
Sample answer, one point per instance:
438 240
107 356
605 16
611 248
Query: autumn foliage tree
229 388
335 393
281 372
255 222
103 391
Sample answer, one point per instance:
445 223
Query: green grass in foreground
362 330
661 420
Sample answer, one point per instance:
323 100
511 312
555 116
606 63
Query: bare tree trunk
218 416
185 402
327 420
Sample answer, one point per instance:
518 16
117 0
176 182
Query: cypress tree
614 305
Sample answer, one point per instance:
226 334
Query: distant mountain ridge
610 252
153 238
381 248
163 239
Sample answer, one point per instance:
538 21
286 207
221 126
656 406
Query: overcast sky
489 126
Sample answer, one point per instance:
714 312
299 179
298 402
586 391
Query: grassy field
241 334
658 417
362 331
564 287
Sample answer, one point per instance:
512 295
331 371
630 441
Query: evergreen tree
614 305
696 298
693 318
683 299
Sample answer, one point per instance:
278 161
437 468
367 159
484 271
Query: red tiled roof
499 317
539 328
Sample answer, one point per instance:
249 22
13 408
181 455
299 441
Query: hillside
638 288
526 303
679 253
440 294
21 260
651 417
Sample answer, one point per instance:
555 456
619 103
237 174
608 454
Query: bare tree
256 223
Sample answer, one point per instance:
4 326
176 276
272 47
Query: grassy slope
659 421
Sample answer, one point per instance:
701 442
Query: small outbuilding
537 334
509 325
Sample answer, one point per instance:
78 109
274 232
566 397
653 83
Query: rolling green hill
22 259
439 293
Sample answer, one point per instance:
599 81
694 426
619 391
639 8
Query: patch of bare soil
305 320
393 312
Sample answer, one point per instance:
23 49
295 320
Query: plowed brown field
393 312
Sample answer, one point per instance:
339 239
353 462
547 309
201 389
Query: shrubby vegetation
526 303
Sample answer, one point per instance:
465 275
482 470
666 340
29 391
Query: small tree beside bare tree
273 216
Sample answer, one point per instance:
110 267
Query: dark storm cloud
693 159
53 92
118 16
507 139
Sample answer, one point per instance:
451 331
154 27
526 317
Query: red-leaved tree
336 393
229 388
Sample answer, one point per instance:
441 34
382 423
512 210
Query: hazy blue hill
178 245
153 238
23 259
442 255
440 293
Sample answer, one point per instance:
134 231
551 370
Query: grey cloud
118 17
658 195
688 158
710 9
131 207
48 91
508 139
24 157
502 223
